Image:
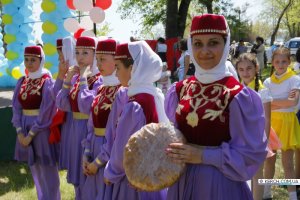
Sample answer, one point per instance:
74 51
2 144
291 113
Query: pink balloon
97 15
71 25
83 5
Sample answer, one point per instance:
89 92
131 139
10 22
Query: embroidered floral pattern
198 95
31 87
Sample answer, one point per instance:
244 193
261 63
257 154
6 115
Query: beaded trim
84 47
209 31
29 54
106 52
118 57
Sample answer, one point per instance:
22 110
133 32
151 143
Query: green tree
173 14
103 29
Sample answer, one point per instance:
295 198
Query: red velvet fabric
30 95
147 102
55 127
206 100
85 42
108 46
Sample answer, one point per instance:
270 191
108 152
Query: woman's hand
85 163
27 140
71 72
62 69
185 153
85 71
106 181
21 138
92 168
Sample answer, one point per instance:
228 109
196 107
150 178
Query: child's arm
287 103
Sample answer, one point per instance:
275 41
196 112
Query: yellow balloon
48 6
11 55
1 74
48 65
4 2
49 27
49 49
7 19
55 75
16 73
9 38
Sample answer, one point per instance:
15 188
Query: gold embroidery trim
66 86
99 131
98 161
18 129
79 115
31 112
31 133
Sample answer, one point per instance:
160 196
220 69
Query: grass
16 183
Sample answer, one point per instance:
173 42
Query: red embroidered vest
30 95
202 113
148 104
101 105
75 90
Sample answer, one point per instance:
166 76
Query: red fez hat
106 47
85 43
59 44
33 51
122 52
208 24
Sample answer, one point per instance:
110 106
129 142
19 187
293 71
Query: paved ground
6 95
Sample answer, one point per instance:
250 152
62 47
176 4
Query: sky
123 29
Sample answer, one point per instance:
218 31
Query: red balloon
77 34
70 4
104 4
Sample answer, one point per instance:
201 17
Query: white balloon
71 25
97 15
86 23
83 5
88 33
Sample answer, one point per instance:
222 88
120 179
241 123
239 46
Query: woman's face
60 56
281 63
246 70
208 50
84 57
123 73
106 64
32 63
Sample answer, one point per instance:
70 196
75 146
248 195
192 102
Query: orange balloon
70 4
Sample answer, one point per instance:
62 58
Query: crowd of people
105 92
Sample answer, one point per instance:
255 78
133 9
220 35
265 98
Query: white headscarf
68 50
220 71
110 80
147 69
41 71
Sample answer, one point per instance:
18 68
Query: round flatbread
146 164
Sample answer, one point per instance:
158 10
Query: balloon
7 19
71 25
11 55
48 65
49 27
70 4
9 38
16 73
48 6
49 49
20 3
88 33
18 19
78 33
10 8
104 4
10 29
1 74
4 2
83 5
97 15
86 23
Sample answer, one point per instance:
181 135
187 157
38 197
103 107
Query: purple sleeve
240 158
57 86
86 143
86 96
171 103
110 132
47 110
62 99
17 108
131 120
